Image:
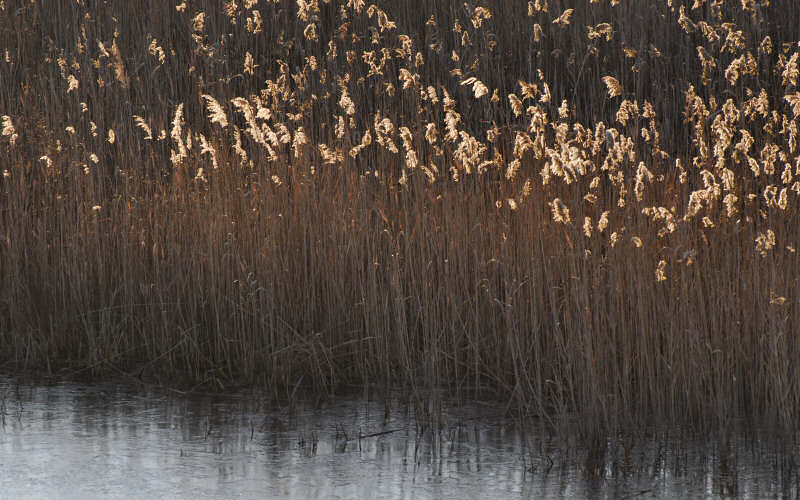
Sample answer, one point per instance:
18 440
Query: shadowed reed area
591 211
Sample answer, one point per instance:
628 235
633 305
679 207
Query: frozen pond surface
110 441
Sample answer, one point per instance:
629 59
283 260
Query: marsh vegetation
588 211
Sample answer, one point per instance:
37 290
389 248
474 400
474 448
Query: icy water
110 441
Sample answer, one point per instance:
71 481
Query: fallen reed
591 211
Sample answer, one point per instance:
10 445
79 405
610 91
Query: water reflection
109 441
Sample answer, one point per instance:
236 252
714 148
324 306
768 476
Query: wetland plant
591 212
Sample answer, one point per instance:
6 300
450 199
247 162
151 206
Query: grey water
70 440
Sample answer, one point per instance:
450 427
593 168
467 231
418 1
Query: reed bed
591 211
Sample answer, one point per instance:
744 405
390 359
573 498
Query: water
111 441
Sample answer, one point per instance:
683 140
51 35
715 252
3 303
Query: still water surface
111 441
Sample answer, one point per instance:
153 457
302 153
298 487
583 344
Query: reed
589 211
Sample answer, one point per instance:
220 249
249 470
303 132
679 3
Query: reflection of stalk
3 412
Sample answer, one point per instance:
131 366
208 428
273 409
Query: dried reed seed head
215 112
661 274
613 85
9 130
602 223
791 71
564 18
511 170
560 211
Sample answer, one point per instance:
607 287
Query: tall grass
590 211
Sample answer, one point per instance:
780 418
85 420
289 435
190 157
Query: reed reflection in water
111 441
